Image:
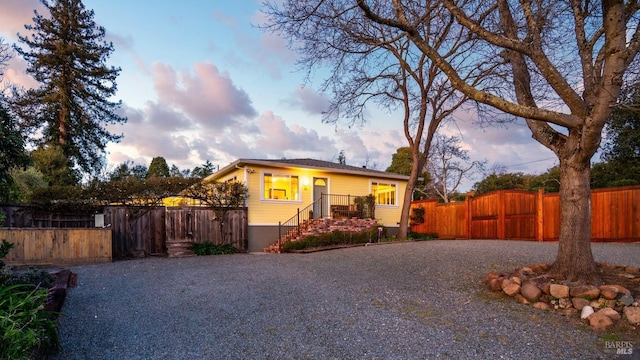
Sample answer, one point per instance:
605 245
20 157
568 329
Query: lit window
281 187
385 194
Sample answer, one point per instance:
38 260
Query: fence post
501 212
298 222
467 214
539 215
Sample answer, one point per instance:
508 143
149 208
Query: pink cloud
207 95
278 137
15 14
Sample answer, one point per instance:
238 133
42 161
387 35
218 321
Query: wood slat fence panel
522 215
451 222
57 247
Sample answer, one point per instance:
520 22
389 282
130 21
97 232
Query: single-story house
279 189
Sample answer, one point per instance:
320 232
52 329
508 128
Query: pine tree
12 153
158 168
67 55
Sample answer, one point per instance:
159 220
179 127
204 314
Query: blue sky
200 82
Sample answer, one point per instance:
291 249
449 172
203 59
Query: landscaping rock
490 276
586 312
546 298
530 291
541 305
568 312
565 303
521 299
545 287
612 314
632 314
496 284
516 280
585 291
559 291
626 299
632 269
579 303
511 289
609 292
600 321
505 283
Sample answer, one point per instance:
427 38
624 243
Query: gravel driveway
414 300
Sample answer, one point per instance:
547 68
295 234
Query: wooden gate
162 230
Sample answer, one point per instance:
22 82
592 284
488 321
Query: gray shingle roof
316 164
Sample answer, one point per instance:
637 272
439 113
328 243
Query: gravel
414 300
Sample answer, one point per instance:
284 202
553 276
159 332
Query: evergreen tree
12 153
67 55
56 169
203 171
158 168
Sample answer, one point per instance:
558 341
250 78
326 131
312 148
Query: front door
320 207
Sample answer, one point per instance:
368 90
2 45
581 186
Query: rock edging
601 306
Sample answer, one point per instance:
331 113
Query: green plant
32 276
417 215
25 324
2 217
5 247
366 204
332 239
420 237
209 248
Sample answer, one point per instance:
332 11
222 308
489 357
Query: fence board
57 247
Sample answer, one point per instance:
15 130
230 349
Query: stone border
601 306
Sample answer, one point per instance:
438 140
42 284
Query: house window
384 193
281 187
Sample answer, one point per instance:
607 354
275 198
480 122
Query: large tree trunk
403 230
574 261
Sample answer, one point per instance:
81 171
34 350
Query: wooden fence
149 233
524 215
21 216
57 247
133 231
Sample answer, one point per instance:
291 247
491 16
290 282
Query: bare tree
448 165
372 63
5 56
565 63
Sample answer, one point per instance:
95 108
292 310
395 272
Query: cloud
206 95
15 14
282 139
309 100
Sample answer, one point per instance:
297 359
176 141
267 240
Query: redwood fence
525 215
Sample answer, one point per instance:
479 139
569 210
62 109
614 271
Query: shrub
5 247
209 248
331 239
25 325
419 237
35 277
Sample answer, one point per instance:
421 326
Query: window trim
385 182
280 173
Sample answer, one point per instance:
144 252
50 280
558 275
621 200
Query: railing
328 205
